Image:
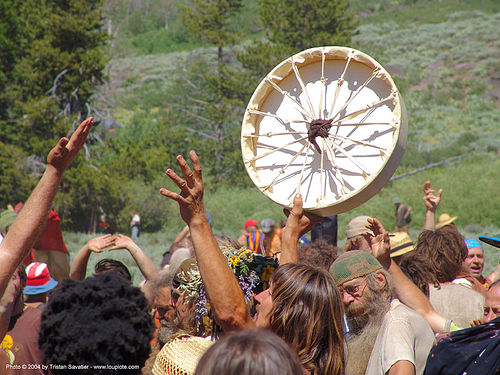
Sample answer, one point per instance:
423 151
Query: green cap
353 264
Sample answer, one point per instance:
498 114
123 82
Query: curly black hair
101 324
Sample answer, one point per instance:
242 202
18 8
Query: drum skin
328 123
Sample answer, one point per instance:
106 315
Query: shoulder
403 320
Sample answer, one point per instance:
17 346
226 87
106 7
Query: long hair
307 313
443 251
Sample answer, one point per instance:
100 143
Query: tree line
54 55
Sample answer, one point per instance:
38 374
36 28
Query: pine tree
55 57
211 98
208 20
293 26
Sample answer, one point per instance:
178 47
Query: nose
157 315
489 316
347 298
259 297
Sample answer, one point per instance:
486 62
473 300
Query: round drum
328 123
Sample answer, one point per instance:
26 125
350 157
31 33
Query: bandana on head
472 243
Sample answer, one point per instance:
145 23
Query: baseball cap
492 240
266 225
250 223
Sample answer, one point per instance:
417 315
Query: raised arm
431 202
28 224
406 291
223 291
146 266
178 240
95 245
298 223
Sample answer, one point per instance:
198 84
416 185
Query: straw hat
180 355
401 243
445 219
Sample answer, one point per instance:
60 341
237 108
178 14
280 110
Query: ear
380 279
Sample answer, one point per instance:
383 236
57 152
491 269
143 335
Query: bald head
492 303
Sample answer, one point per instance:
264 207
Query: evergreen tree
211 98
293 26
208 20
54 57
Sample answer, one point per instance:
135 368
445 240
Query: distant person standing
135 225
403 216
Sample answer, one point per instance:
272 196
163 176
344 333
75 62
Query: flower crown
252 271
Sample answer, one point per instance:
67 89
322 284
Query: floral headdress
253 272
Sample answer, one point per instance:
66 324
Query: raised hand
98 244
122 242
66 149
379 242
431 201
190 199
300 222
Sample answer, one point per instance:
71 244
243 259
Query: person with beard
385 336
302 304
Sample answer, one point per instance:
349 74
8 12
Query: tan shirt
457 302
404 335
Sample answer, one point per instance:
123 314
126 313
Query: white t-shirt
403 335
136 219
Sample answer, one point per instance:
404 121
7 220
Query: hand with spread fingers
190 199
379 242
431 201
66 149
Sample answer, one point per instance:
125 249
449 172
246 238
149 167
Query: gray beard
363 332
166 331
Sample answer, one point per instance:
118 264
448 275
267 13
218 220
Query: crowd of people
266 303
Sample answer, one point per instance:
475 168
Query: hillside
447 71
444 57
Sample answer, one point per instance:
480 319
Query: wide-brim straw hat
401 243
180 355
445 219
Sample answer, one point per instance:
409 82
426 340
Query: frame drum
328 123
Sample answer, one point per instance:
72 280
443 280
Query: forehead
354 282
163 295
476 251
493 297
